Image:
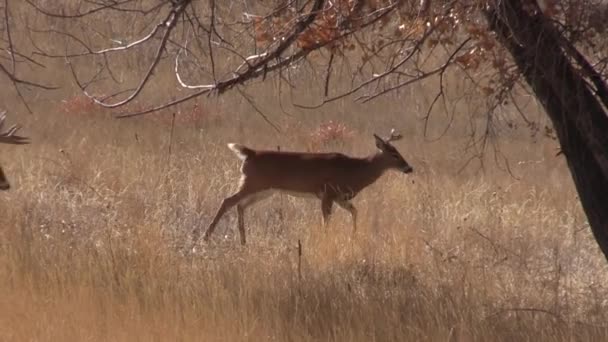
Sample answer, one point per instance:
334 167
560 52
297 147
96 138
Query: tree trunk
581 123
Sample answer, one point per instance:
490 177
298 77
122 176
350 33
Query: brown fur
331 177
314 173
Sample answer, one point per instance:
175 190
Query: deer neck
377 165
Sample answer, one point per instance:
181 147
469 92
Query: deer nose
408 169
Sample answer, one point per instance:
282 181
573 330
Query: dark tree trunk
547 59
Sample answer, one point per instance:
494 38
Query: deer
330 177
9 137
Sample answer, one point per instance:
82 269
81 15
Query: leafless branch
179 78
112 6
257 109
168 24
9 36
89 51
254 65
438 70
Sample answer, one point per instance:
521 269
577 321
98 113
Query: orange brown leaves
330 132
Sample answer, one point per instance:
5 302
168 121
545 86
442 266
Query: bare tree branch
112 6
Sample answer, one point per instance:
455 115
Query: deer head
390 154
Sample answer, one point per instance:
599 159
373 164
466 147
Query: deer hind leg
352 210
227 203
244 204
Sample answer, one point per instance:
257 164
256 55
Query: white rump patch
238 150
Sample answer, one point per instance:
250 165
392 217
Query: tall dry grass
91 234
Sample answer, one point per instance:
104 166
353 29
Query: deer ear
379 142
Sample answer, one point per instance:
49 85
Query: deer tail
241 151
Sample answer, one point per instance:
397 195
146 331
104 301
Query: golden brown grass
90 235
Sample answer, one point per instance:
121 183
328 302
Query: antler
9 136
394 136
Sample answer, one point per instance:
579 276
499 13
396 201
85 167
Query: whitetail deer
331 177
9 137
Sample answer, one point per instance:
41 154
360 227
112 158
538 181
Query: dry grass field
90 234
